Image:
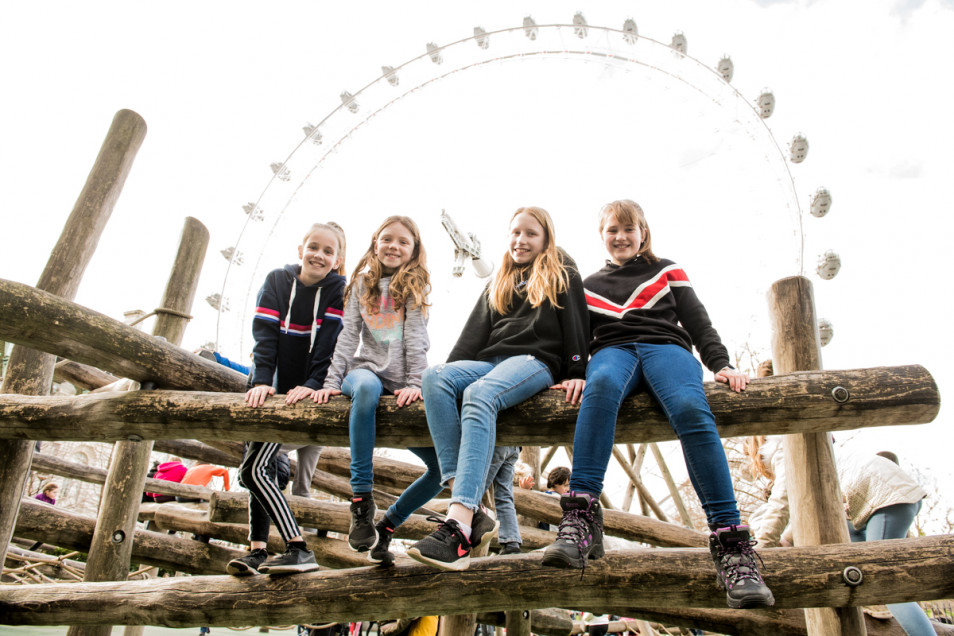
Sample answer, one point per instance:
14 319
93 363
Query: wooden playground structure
183 398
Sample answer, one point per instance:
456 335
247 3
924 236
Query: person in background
48 494
173 470
501 477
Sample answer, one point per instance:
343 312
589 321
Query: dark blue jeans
674 377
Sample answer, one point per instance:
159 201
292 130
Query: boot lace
573 529
738 563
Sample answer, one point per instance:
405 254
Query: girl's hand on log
527 482
321 396
573 388
257 395
736 380
407 395
298 394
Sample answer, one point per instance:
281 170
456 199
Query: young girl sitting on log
528 328
644 320
383 348
296 325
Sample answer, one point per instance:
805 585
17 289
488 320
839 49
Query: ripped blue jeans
464 438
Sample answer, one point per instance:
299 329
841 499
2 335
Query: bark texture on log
792 403
55 526
82 376
43 321
620 583
30 371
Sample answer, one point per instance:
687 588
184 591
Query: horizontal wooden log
48 323
92 475
58 527
82 376
191 449
794 403
620 583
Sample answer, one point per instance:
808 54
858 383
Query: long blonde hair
753 448
628 212
547 277
409 283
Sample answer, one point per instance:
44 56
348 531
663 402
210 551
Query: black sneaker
736 569
483 527
362 536
447 548
580 535
510 547
248 564
294 560
380 553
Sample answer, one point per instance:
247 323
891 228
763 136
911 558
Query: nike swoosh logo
462 551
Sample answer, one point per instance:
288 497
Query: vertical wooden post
111 548
818 516
518 623
30 372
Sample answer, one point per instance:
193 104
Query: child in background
383 347
558 481
172 470
528 328
645 319
296 325
503 464
48 494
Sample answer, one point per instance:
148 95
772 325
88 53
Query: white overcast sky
225 88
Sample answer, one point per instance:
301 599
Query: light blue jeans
464 439
365 389
500 476
674 377
892 522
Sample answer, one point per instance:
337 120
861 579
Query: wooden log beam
45 322
58 527
621 583
782 404
93 475
82 376
191 449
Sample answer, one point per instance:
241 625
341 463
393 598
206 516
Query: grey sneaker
580 536
294 560
483 527
362 536
446 548
737 571
381 553
248 564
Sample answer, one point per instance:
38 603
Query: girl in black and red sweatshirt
645 318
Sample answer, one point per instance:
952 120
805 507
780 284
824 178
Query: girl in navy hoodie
296 325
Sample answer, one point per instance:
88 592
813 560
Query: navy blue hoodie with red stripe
295 328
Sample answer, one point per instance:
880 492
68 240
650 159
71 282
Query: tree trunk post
111 549
31 372
818 517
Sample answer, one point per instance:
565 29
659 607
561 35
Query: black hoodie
296 327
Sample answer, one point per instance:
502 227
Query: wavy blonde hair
628 212
409 283
753 449
338 231
546 277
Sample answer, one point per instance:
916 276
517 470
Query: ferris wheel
623 54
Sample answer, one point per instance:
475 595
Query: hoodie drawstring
291 299
314 319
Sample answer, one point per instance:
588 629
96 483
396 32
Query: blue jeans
365 389
892 522
674 378
500 476
464 439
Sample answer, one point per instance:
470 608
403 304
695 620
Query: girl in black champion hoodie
296 325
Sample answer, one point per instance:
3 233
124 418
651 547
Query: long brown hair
547 278
409 283
628 212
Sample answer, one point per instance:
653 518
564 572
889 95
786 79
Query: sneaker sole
750 603
456 566
290 569
240 569
388 559
363 547
487 536
561 560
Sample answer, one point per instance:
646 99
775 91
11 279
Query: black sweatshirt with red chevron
652 303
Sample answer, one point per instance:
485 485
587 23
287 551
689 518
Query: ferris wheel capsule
233 256
280 171
799 148
821 202
726 68
828 265
679 42
217 302
348 100
766 104
630 33
435 52
391 74
312 133
825 331
483 40
253 211
530 28
579 25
